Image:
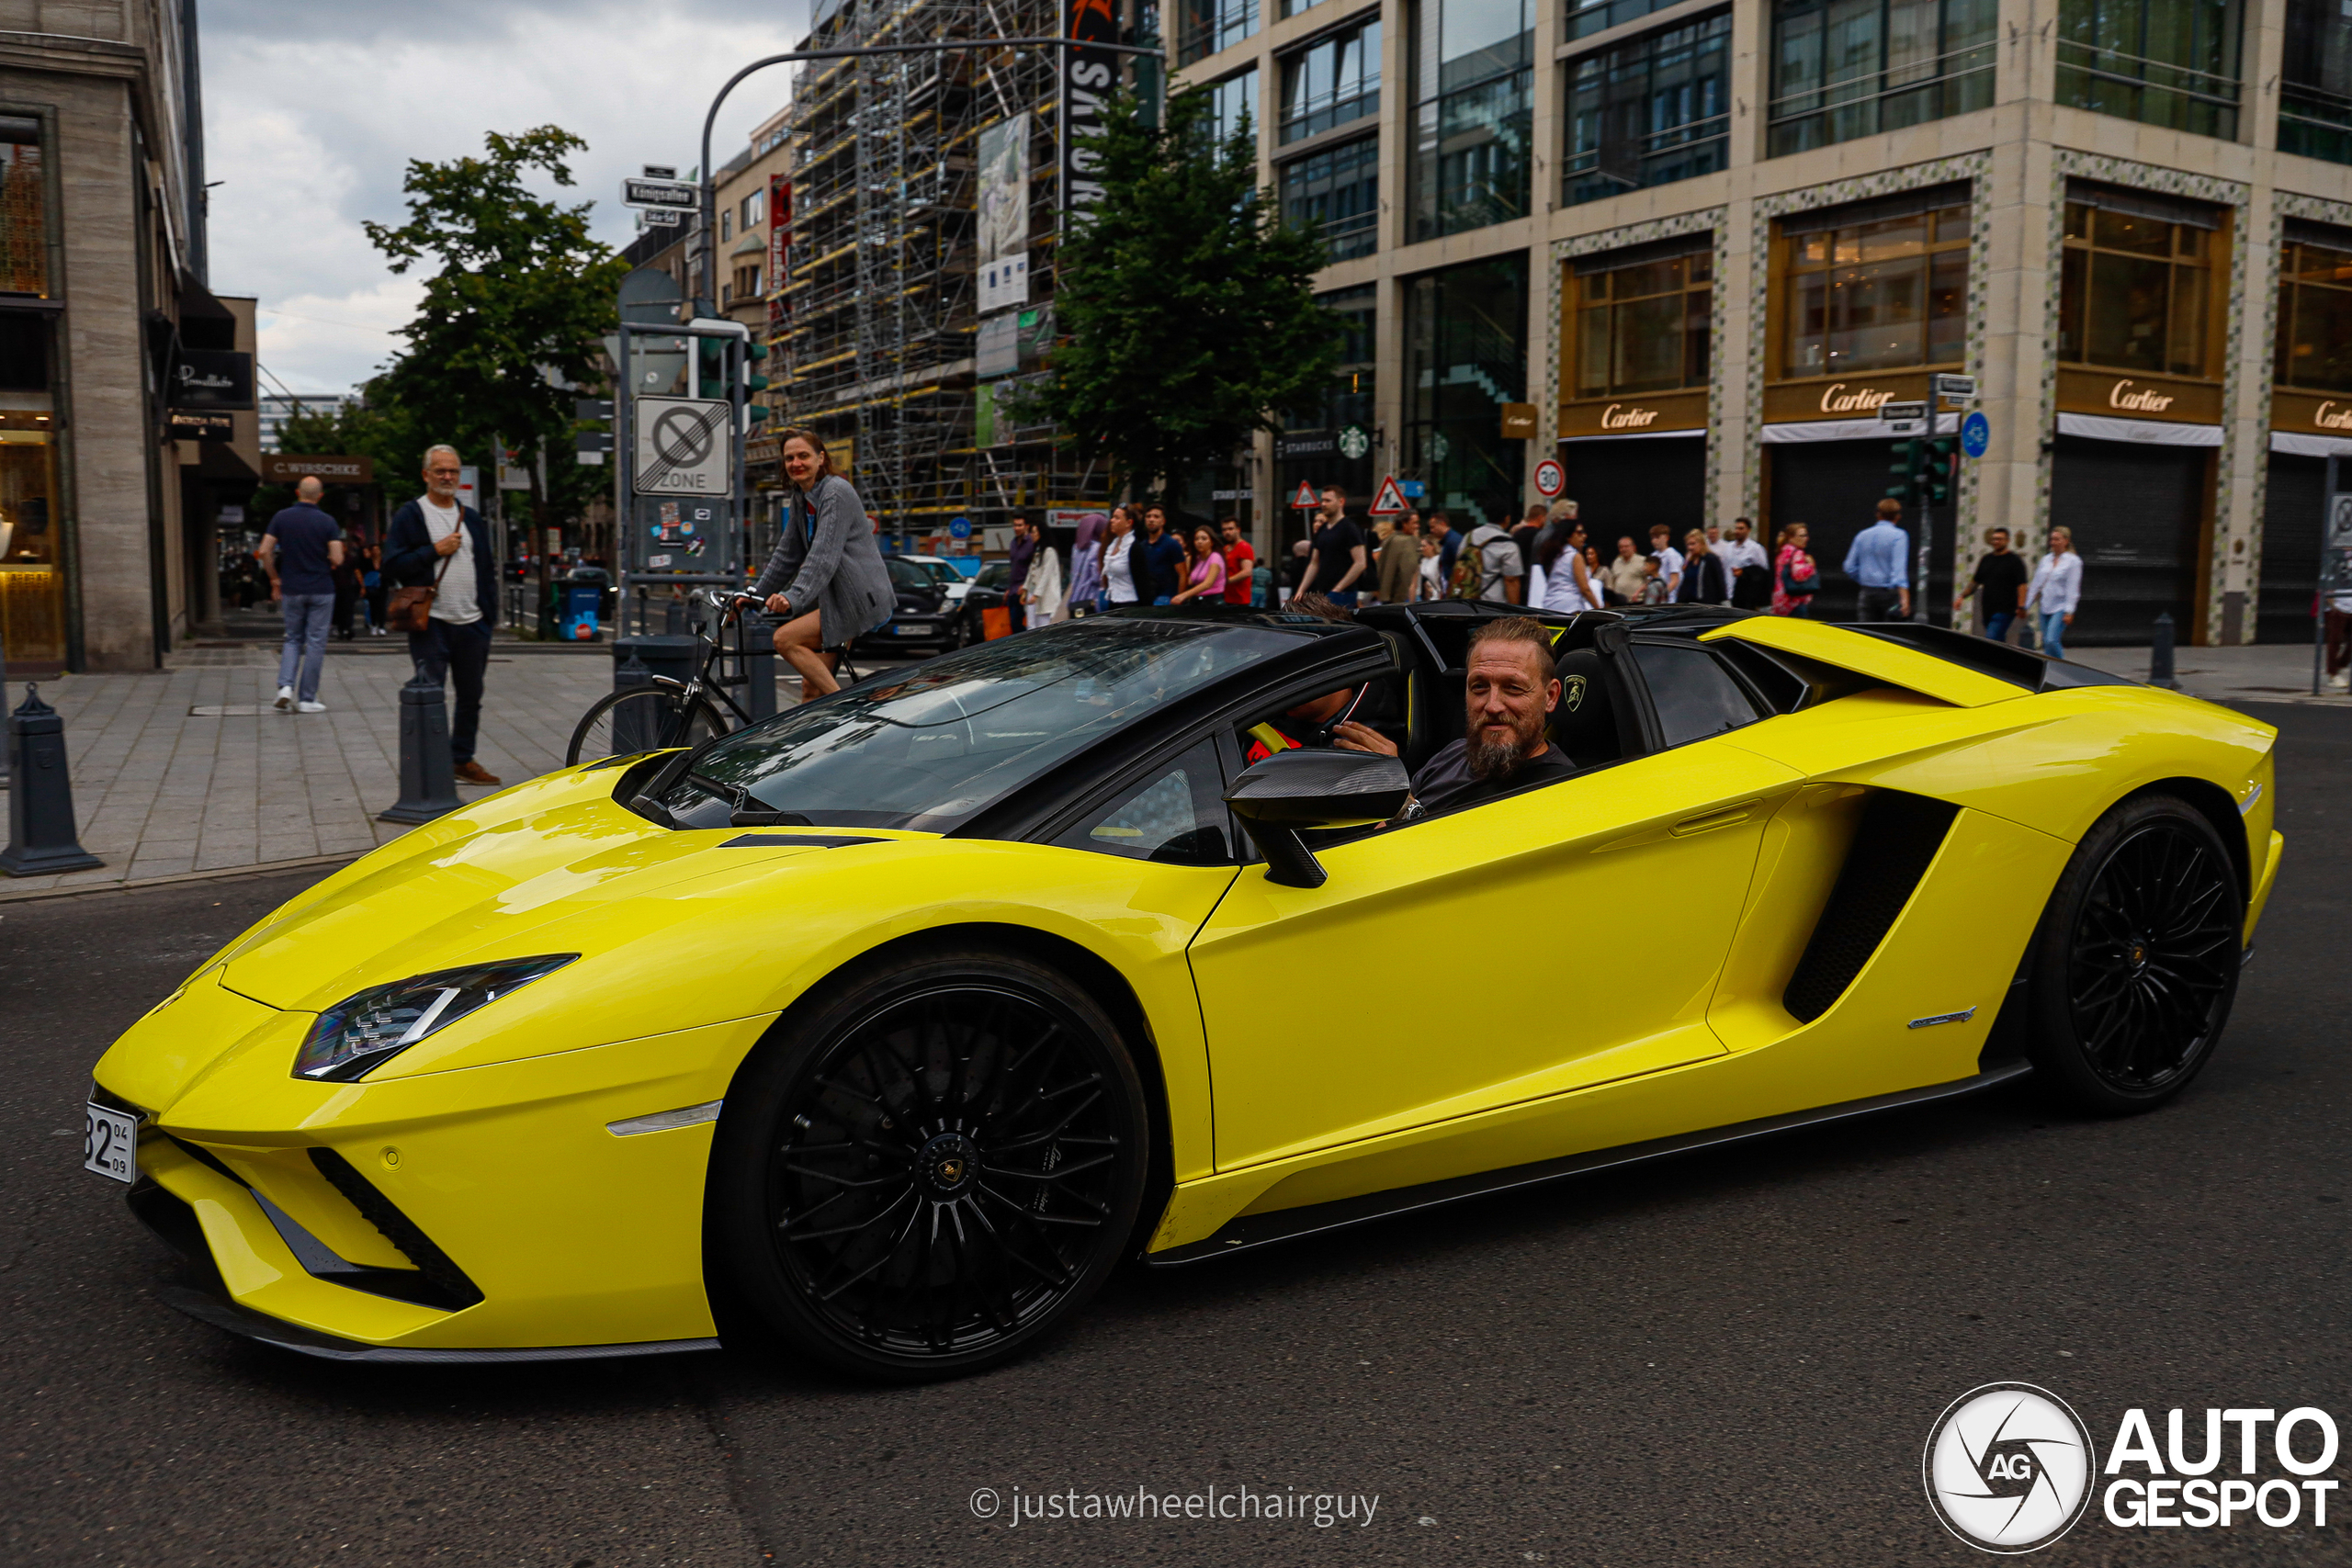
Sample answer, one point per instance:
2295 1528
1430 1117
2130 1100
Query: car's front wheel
2135 962
931 1165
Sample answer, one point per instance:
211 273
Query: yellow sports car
891 1025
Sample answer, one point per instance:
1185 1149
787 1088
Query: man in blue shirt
301 551
1880 560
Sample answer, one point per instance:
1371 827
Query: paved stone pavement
162 792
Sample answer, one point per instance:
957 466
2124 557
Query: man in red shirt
1240 561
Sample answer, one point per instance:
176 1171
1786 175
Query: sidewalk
2265 673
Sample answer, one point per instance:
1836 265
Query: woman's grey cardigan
839 573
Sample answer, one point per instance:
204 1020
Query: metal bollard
40 796
630 720
674 618
2160 656
428 779
759 664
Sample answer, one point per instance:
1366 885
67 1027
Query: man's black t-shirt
1997 580
303 534
1446 783
1335 543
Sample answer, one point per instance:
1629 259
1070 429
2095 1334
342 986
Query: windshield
931 748
996 574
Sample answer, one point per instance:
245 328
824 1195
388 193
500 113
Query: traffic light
753 354
1940 467
710 368
1908 460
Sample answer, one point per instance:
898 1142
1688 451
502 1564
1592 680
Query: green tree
521 301
1187 301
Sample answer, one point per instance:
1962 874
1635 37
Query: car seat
1586 724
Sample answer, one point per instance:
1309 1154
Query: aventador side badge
1571 694
1930 1022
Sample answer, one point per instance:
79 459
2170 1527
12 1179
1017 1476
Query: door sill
1289 1225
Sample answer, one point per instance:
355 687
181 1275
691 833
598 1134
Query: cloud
312 114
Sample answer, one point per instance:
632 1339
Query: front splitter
247 1324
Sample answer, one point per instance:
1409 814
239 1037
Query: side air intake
1897 839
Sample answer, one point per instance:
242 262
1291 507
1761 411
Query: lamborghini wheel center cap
947 1164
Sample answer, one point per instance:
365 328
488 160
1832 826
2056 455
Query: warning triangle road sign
1390 501
1306 499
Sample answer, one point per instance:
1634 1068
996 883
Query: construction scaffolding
879 323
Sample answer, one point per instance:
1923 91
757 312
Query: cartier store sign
2310 414
2113 396
1633 415
1841 397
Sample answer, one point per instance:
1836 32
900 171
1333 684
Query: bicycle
671 713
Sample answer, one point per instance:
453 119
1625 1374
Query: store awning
2302 446
2148 432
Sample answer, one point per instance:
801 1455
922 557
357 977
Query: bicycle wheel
644 719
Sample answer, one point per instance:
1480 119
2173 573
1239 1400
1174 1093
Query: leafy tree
521 301
372 425
1188 302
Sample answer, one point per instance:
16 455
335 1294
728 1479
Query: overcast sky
313 111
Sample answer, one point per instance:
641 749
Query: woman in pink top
1207 578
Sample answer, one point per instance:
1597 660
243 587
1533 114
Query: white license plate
110 1144
910 631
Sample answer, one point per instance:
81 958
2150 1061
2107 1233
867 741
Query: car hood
554 866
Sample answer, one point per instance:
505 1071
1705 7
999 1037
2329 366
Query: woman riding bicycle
826 578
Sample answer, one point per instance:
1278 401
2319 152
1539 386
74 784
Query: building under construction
897 234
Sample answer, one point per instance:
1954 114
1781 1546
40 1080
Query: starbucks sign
1354 442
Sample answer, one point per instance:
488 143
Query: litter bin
580 608
671 656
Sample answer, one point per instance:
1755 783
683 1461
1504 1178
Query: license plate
910 631
110 1144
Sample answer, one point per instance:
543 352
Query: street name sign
1902 419
683 446
658 193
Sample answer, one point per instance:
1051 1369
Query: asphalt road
1731 1358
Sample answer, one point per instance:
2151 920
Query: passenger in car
1508 694
1310 724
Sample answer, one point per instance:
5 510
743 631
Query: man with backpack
1490 567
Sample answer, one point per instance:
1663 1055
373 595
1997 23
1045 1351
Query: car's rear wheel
931 1165
2136 960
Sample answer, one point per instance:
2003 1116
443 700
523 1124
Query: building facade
1707 240
126 389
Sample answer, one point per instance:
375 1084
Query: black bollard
2160 656
759 664
632 720
673 618
40 796
428 779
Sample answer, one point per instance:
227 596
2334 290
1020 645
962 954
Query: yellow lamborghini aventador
891 1025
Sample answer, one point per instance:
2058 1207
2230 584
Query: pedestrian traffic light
1905 469
1940 465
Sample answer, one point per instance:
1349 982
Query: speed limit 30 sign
1550 479
683 446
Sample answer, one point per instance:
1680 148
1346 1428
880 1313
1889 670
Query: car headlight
374 1026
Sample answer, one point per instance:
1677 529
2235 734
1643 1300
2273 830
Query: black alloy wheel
2136 961
933 1167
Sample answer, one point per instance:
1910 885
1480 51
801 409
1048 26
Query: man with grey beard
1508 694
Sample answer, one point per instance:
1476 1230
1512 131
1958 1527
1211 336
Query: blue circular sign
1976 434
959 528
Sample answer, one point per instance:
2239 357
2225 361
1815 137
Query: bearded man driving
1508 694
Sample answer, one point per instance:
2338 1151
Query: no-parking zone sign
683 448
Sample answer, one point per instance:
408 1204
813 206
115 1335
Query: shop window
1642 326
1586 17
2315 82
2136 286
1204 27
1465 356
1473 115
2315 317
1849 68
1340 189
2170 62
24 210
1347 399
1650 111
1332 82
1881 288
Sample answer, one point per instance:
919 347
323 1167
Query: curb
264 868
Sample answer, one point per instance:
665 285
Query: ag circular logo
2008 1467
